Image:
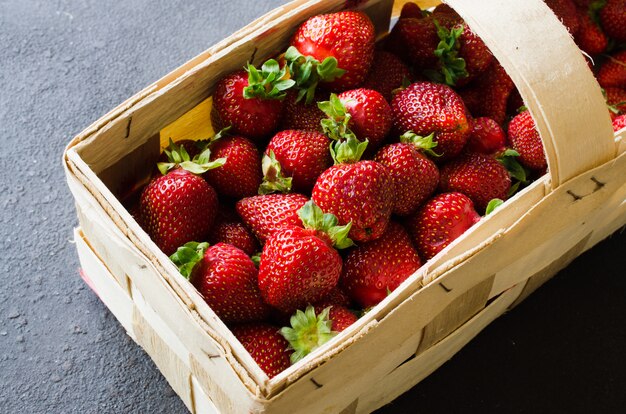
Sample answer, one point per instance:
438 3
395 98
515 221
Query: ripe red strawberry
226 278
414 175
361 193
427 108
411 10
302 115
299 265
487 136
347 36
301 156
613 19
256 118
337 297
386 73
616 100
440 221
228 228
475 53
266 346
414 40
265 214
590 37
525 139
340 317
177 208
443 11
619 122
612 73
375 268
241 174
363 112
489 93
478 176
566 11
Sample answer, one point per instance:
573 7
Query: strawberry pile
599 29
342 166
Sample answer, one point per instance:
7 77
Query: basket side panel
98 277
413 371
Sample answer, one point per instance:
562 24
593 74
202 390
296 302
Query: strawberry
414 175
619 122
411 10
363 113
226 278
414 40
336 297
443 12
440 221
590 37
525 139
567 13
427 108
300 265
251 101
615 100
478 176
347 37
302 115
179 206
461 54
374 269
386 74
241 175
300 156
340 317
489 93
487 136
613 19
474 52
228 228
266 346
613 71
265 214
357 192
313 327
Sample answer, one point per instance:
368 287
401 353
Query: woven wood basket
437 310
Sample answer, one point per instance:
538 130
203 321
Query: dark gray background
65 63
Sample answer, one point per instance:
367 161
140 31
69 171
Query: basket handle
553 78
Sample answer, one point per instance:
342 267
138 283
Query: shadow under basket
432 314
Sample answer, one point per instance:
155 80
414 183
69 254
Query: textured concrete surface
64 63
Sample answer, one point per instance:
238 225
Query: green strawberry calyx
493 204
426 144
346 147
517 172
179 157
452 67
308 72
271 82
336 125
273 178
188 256
315 219
308 332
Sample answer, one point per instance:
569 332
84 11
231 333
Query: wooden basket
437 310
